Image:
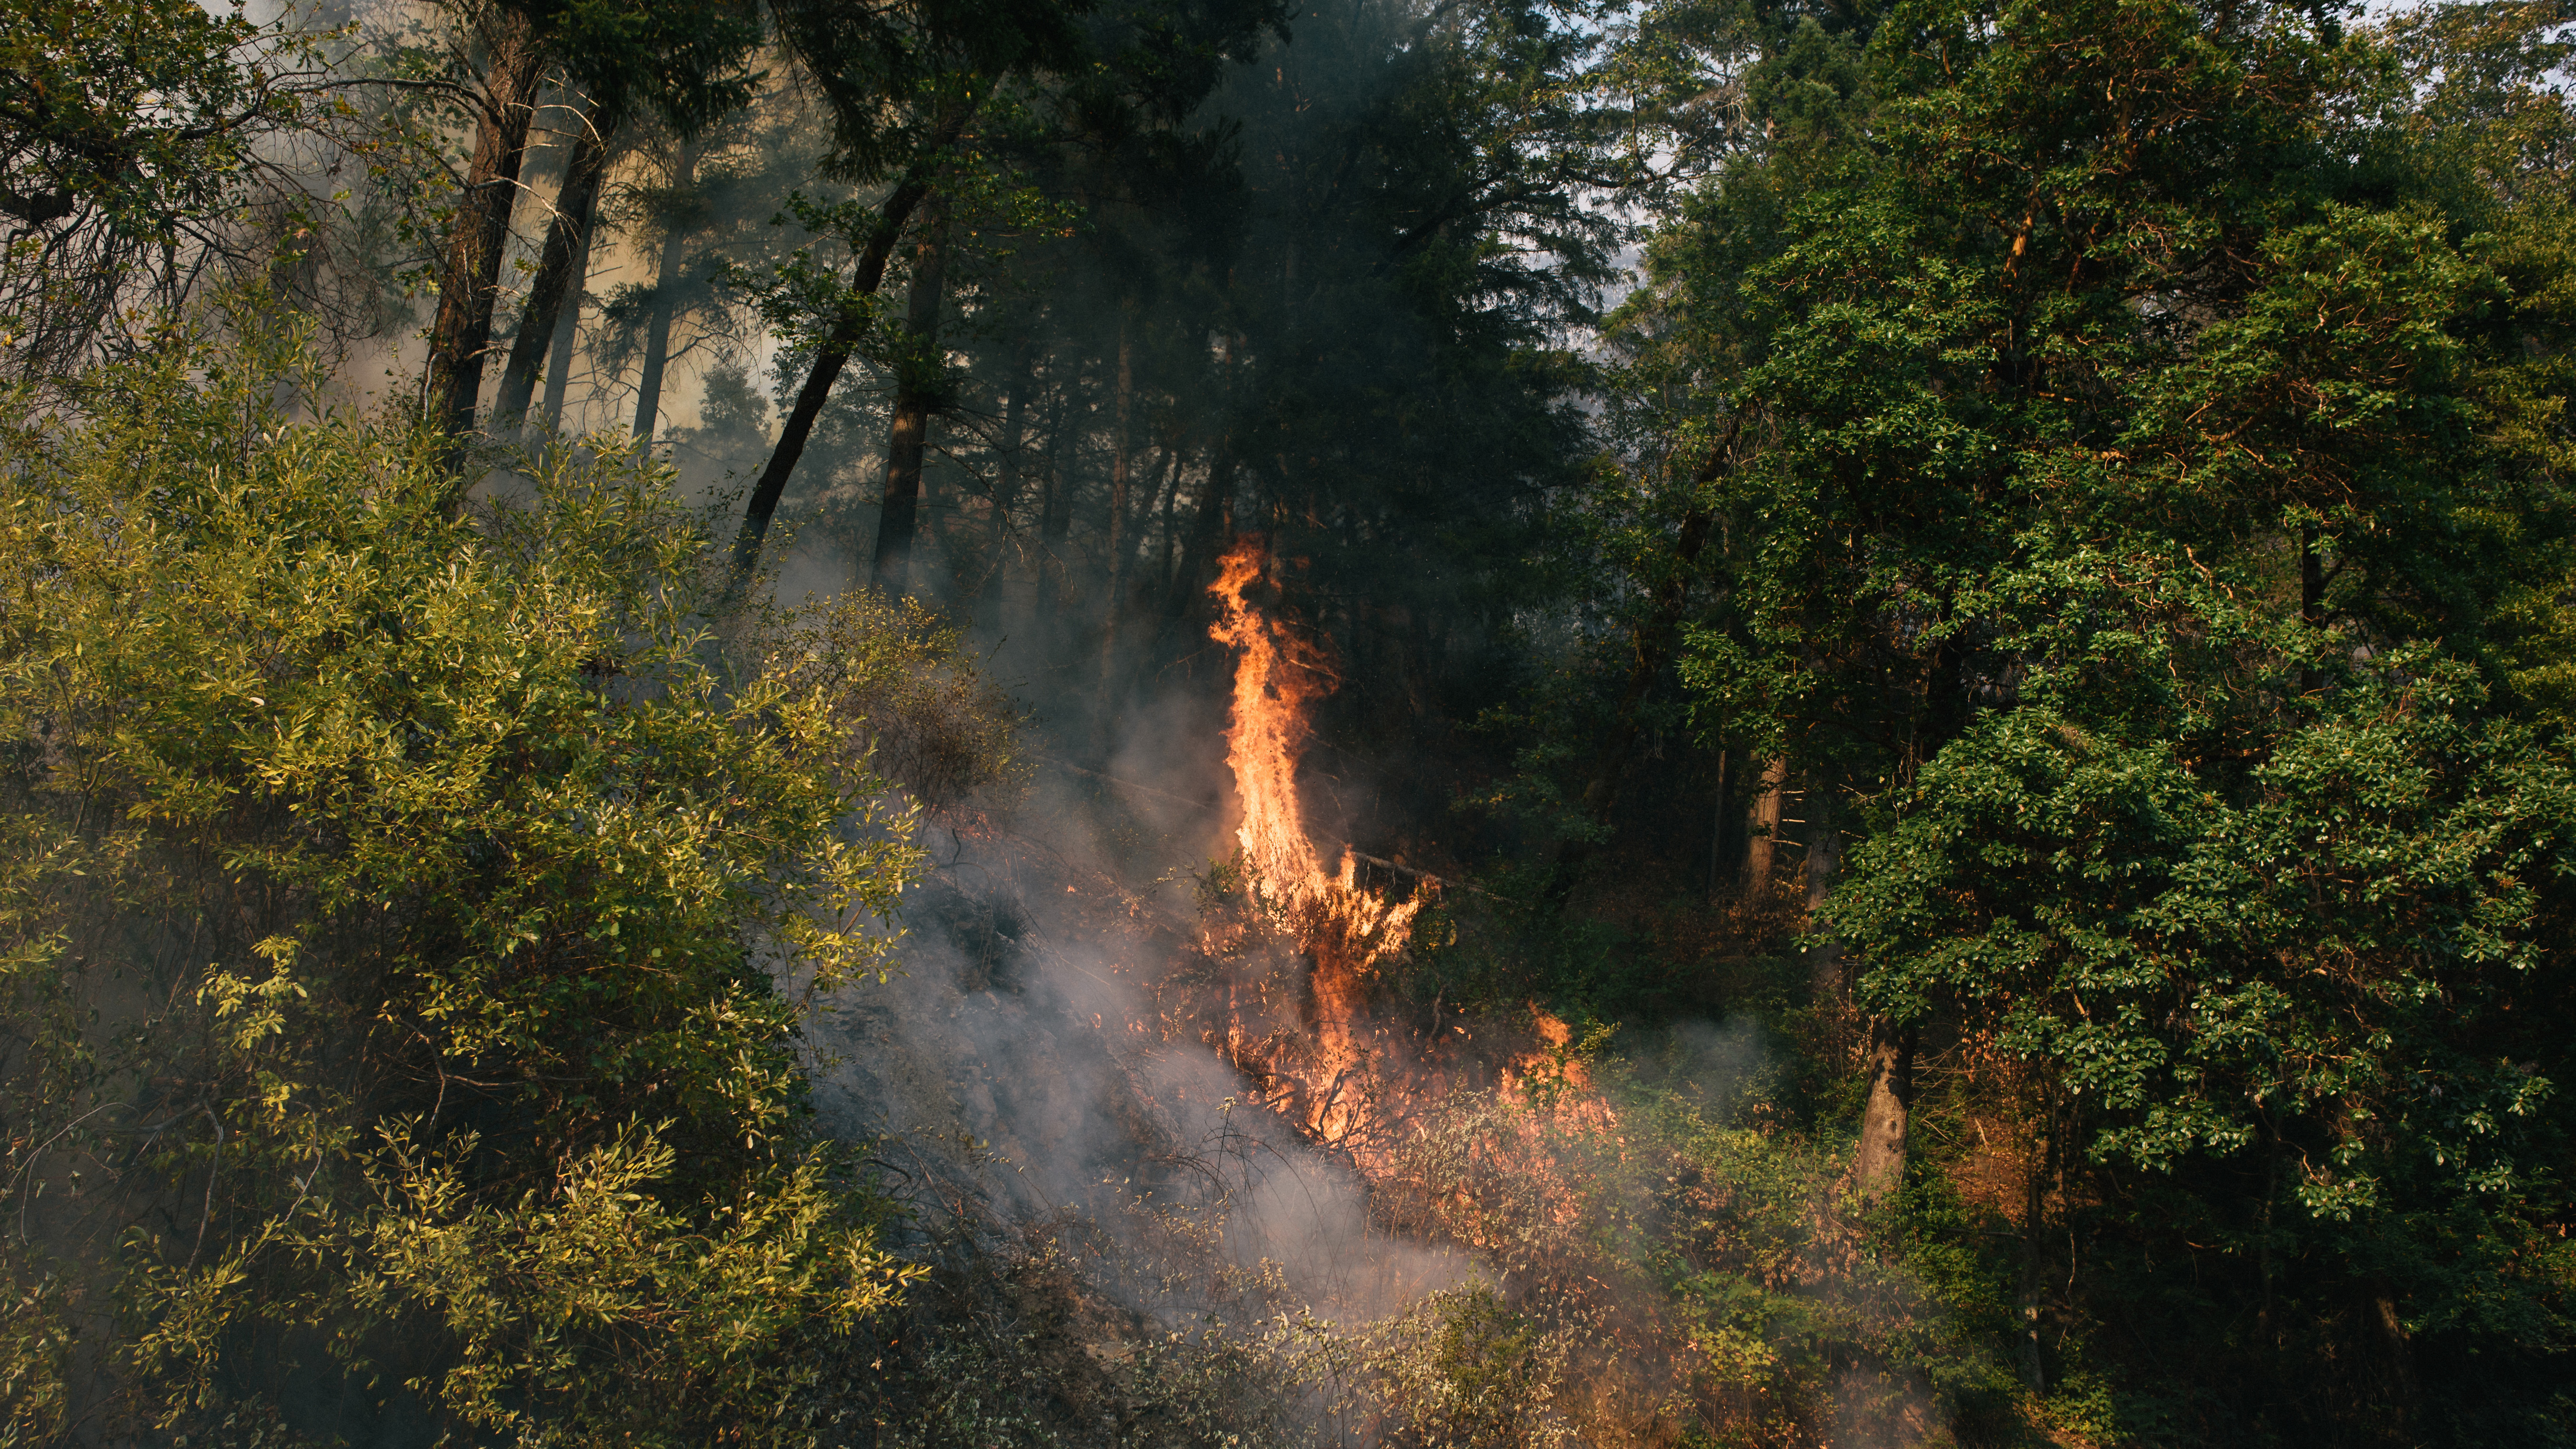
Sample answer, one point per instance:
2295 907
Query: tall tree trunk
567 335
559 270
1884 1119
1055 503
1212 520
917 377
1762 829
470 273
1171 488
2034 1247
1124 592
666 296
1006 469
1824 857
1121 450
1726 770
2393 1338
1210 524
1121 460
2264 1326
1140 517
2312 580
798 428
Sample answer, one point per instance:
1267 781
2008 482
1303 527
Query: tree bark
1211 519
1170 488
834 354
2034 1253
1121 461
1762 828
1726 771
666 298
1883 1122
567 334
2400 1349
2312 580
559 272
1824 857
470 275
1123 589
1055 502
1121 449
1006 470
917 375
1209 524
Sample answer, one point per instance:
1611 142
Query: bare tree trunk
1885 1118
1762 829
1006 471
1139 517
1055 506
559 271
916 390
1171 489
2400 1349
470 274
1212 519
2264 1326
666 296
1717 826
1123 591
865 278
2034 1252
1122 449
1883 1121
1210 524
1824 856
567 334
2312 580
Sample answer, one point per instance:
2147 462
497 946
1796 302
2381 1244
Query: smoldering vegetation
1092 1082
1234 722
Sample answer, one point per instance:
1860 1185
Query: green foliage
397 931
138 111
1678 1263
2326 941
2147 504
127 136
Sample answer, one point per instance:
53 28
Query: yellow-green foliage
391 911
1668 1275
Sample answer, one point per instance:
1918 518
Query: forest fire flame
1350 1071
1345 930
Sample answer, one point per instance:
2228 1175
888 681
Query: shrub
392 910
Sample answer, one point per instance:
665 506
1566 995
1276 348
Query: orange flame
1345 930
1350 1071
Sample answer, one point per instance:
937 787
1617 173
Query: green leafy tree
127 149
408 922
2139 431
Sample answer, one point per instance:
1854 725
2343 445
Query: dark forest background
1981 597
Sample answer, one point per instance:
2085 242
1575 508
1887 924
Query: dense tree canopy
1971 603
